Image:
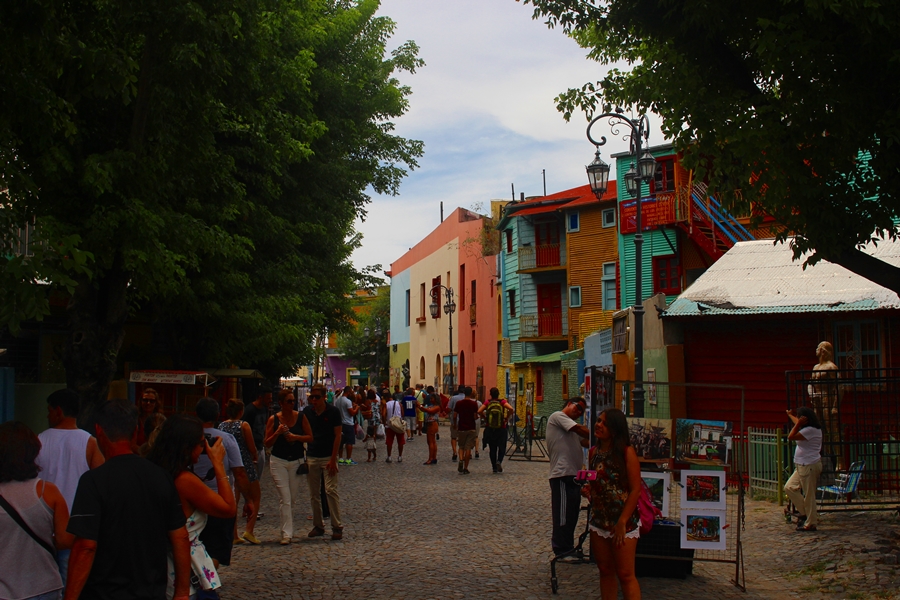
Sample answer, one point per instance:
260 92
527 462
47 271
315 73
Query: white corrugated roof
758 276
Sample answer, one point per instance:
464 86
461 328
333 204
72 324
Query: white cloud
483 105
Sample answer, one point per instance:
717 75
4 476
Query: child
369 441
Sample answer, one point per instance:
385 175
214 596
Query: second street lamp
449 309
636 132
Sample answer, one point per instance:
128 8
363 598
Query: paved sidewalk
415 531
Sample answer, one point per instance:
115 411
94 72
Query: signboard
655 211
174 377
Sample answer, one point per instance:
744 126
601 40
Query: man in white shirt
67 452
565 440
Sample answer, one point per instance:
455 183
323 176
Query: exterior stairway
709 225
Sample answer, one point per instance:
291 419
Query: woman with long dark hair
801 487
178 446
240 429
614 497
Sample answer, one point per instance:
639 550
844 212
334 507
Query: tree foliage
775 99
364 344
204 160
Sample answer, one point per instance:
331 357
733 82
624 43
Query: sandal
807 528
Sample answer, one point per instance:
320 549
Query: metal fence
860 417
768 463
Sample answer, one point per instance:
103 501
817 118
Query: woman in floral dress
178 446
614 497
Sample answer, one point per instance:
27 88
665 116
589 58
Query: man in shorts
409 412
349 410
464 415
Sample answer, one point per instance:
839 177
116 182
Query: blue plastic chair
846 484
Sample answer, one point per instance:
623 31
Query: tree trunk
96 321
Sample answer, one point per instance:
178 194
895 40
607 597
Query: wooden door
549 309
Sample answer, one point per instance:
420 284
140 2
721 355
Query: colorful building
460 254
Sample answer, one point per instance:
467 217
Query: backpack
495 415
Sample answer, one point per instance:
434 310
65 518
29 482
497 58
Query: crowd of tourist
68 498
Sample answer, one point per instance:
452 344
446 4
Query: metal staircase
709 225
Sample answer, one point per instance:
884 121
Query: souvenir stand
178 391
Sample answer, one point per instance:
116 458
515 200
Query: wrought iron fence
860 417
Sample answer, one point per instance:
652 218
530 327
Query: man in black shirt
125 514
256 414
322 455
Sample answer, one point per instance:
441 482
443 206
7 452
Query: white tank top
63 459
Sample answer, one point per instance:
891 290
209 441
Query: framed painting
658 483
703 529
651 438
703 490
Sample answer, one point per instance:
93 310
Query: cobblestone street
414 531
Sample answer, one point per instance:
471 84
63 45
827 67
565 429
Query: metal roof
759 277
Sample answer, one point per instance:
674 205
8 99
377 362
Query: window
500 352
575 296
539 385
521 386
474 288
438 295
609 217
857 345
512 304
407 308
473 341
609 286
422 368
422 302
664 178
572 222
508 240
462 368
565 384
462 287
620 334
666 275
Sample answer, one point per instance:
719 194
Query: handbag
646 509
303 468
396 423
15 516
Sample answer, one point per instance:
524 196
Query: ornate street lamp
449 309
637 132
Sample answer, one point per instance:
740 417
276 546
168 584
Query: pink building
460 254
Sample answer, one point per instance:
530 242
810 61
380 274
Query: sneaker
337 534
237 541
285 541
316 532
460 467
495 470
340 461
350 462
499 468
465 472
454 457
388 459
250 538
399 459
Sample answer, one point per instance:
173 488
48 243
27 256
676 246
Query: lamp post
637 131
449 309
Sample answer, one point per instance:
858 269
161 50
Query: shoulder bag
14 514
396 422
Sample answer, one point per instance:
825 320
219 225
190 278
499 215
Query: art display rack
653 548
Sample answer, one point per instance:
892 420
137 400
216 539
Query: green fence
768 462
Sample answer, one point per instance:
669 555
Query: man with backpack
496 414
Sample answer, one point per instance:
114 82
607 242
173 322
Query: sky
483 105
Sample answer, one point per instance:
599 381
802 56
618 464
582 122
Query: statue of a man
823 389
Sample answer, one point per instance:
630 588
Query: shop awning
545 358
171 377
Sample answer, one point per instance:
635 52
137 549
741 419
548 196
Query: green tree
205 160
772 101
364 345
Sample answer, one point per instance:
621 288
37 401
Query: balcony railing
546 325
536 257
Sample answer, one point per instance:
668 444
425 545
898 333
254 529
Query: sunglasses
314 396
580 408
